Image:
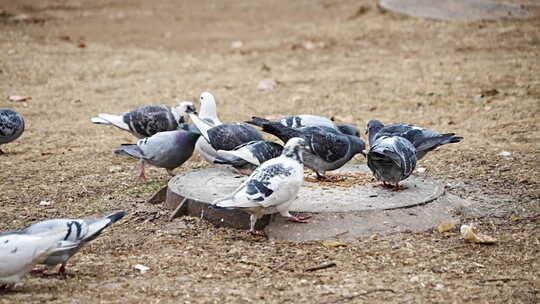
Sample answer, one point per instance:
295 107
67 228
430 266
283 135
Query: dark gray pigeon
80 231
328 149
308 120
148 120
391 159
247 157
11 126
167 150
424 140
226 136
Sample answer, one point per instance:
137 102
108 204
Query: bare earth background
346 59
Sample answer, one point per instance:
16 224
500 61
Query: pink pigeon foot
298 219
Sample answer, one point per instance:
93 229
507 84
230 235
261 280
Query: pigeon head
349 130
357 145
294 147
373 126
208 106
189 127
182 110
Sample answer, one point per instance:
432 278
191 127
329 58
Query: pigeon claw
399 187
257 233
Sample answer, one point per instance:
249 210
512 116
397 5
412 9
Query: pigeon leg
385 185
38 271
399 187
241 171
62 269
142 177
298 219
324 178
252 220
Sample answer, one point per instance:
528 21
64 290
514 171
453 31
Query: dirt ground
347 59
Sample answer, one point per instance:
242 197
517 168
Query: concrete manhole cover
461 10
338 212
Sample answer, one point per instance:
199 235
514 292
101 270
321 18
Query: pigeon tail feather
116 120
130 150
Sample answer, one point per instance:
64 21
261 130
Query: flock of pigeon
276 172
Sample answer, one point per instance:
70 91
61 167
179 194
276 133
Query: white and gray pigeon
391 159
11 126
20 252
424 140
328 149
208 113
247 157
167 150
148 120
308 120
271 187
225 136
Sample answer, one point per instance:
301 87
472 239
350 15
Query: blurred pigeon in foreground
271 188
20 252
392 159
247 157
148 120
11 126
423 140
80 231
307 120
226 136
328 149
166 150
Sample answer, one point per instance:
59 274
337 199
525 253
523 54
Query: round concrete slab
338 211
461 10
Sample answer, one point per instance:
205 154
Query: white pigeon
148 120
207 113
272 187
20 252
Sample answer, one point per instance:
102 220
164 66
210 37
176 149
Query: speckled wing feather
11 125
150 119
328 145
228 136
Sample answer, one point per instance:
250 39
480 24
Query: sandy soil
346 59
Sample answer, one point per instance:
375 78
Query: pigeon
247 157
208 113
391 159
328 149
308 120
80 231
226 136
148 120
20 252
424 140
11 126
271 187
167 150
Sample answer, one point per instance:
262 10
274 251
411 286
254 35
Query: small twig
502 280
361 295
341 234
322 266
177 210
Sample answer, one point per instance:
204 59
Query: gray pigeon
167 150
11 126
328 149
247 157
423 140
20 252
80 231
308 120
148 120
391 159
270 188
226 136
